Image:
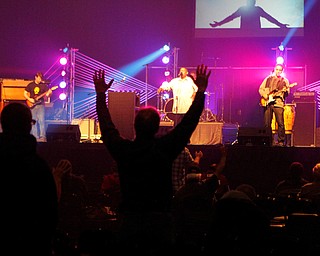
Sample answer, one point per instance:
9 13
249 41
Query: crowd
199 213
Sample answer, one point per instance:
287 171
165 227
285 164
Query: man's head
16 118
147 122
278 69
183 72
316 171
38 77
296 170
251 2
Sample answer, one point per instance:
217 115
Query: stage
261 166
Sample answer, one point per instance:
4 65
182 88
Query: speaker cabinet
252 136
63 133
123 107
87 128
304 129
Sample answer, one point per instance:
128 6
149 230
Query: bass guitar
265 102
37 98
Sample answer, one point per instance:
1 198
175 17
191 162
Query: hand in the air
202 78
99 83
214 24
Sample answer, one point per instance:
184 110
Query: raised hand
214 24
99 83
202 78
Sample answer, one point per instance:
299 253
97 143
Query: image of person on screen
250 17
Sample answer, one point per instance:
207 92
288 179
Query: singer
184 90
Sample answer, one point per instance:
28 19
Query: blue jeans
39 128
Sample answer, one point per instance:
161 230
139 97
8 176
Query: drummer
183 89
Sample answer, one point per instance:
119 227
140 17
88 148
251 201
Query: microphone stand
176 110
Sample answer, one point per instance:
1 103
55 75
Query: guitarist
273 91
32 91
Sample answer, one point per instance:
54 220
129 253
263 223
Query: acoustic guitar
265 102
37 98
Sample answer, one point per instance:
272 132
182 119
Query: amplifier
304 96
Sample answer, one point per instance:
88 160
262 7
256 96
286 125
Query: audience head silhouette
249 190
147 122
296 170
16 118
316 171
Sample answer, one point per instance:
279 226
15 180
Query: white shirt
182 90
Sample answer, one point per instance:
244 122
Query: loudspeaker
87 128
63 133
252 136
304 129
123 107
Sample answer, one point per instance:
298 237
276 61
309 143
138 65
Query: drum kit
165 108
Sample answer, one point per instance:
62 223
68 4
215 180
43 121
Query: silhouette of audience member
111 189
292 184
217 170
193 204
73 197
311 190
238 225
145 168
250 17
179 166
30 204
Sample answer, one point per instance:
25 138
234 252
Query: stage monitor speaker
63 133
252 136
87 128
304 129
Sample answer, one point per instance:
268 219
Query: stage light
165 59
167 73
63 61
166 47
281 54
165 96
280 60
63 73
62 96
281 47
63 84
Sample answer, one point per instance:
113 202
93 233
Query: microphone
180 74
45 82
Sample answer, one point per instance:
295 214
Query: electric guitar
37 98
265 102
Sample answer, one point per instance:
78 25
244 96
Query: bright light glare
164 83
63 61
62 96
165 96
166 47
280 60
63 84
165 60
